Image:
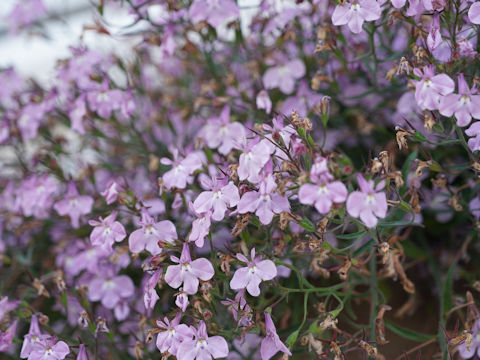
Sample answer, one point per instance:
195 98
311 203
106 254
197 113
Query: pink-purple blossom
271 344
430 88
107 231
74 205
202 346
355 13
250 276
221 196
173 334
284 76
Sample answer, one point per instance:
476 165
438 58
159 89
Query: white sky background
35 56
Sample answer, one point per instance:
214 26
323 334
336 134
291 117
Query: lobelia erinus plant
261 180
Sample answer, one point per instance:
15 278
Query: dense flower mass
255 180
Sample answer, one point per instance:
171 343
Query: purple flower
264 102
181 300
182 169
284 76
215 12
6 337
77 113
240 307
474 14
253 159
324 193
107 231
265 202
188 272
82 353
104 101
220 197
222 134
200 226
469 352
430 88
33 337
474 131
174 334
111 192
49 350
434 38
202 347
464 105
74 205
256 271
110 289
271 344
474 207
36 196
369 203
150 296
150 234
25 13
356 13
7 306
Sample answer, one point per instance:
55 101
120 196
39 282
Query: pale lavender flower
434 38
182 169
474 132
6 337
107 231
264 102
174 334
36 195
181 300
33 337
470 351
150 234
265 202
49 350
82 353
214 12
463 105
284 76
200 226
474 13
104 101
110 290
111 192
474 207
240 307
150 296
74 205
253 159
430 88
355 13
256 271
202 347
220 196
187 272
77 113
271 344
25 13
7 306
220 133
369 203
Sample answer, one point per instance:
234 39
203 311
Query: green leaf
351 236
307 225
418 136
448 289
408 164
292 338
407 333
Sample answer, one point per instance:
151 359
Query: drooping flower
6 306
430 88
263 101
6 337
256 271
214 12
150 296
150 234
355 13
200 226
474 132
284 76
222 134
82 353
111 192
174 334
239 306
368 204
271 344
74 205
49 350
220 196
202 347
253 159
264 202
434 38
463 105
182 169
181 300
187 272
